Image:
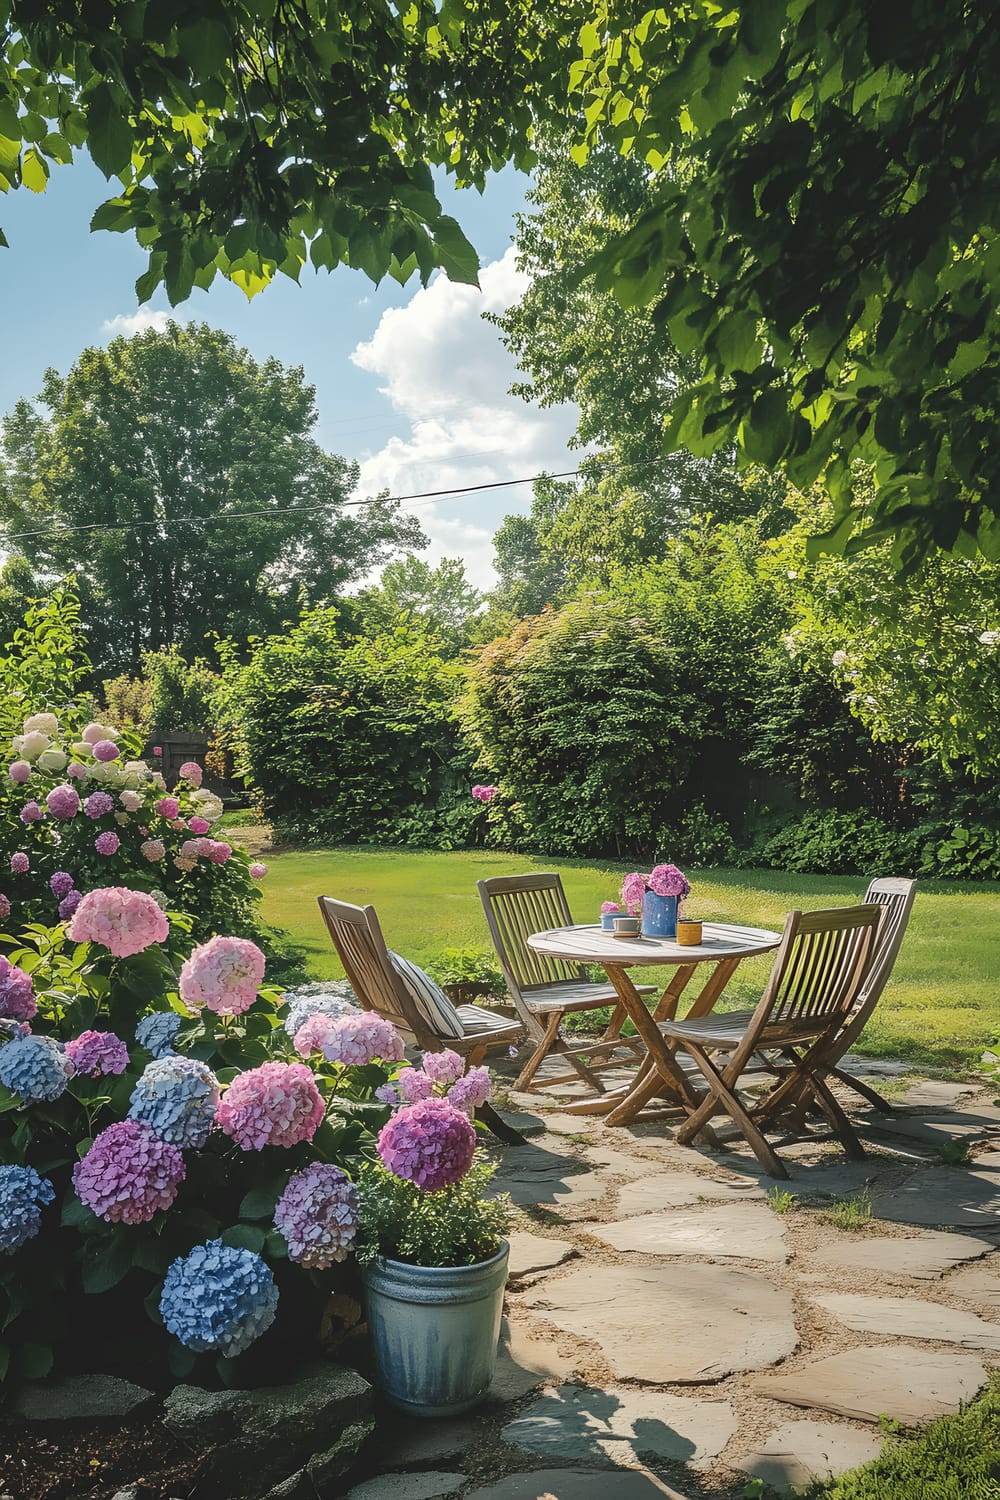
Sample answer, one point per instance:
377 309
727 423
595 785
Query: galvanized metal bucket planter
434 1331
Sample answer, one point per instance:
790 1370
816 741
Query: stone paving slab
925 1257
976 1284
403 1440
908 1318
830 1177
797 1453
678 1189
578 1484
533 1252
936 1093
426 1486
665 1324
744 1231
524 1362
624 1425
620 1163
910 1385
956 1196
532 1177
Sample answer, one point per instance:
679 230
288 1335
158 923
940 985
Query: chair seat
575 994
478 1022
725 1031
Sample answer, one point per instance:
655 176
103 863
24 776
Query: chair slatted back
895 896
820 966
358 939
515 907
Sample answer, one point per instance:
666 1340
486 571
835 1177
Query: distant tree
180 480
440 600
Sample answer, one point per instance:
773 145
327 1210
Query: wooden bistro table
722 949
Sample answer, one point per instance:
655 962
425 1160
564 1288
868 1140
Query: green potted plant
432 1245
465 974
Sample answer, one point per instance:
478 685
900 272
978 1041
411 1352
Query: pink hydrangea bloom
257 870
152 849
97 804
608 906
17 997
199 825
485 793
4 907
471 1090
668 880
106 750
177 824
77 770
225 974
191 771
129 1173
121 920
97 1053
633 889
63 801
93 733
219 852
19 771
430 1144
167 807
107 843
318 1215
413 1085
353 1040
277 1104
443 1067
131 801
31 813
20 864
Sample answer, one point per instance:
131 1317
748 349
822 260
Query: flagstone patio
669 1334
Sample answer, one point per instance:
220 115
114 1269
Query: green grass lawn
943 1005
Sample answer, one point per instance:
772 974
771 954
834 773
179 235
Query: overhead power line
57 528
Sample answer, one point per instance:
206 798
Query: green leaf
456 254
767 434
260 1201
244 1237
181 1361
34 1361
34 171
105 1261
110 134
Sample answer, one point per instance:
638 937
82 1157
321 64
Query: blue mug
608 919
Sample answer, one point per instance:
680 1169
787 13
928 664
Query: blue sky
411 383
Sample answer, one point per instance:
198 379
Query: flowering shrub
430 1143
219 1297
87 809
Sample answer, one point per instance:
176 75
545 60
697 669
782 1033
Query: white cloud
137 322
447 372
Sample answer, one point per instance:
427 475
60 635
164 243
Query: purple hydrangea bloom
277 1104
97 804
107 843
105 750
430 1144
413 1085
128 1174
36 1067
69 904
471 1090
353 1040
23 1194
4 907
31 813
218 1297
17 997
20 864
158 1032
63 801
97 1053
176 1097
61 883
318 1215
444 1066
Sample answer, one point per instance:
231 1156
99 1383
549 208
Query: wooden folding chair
545 990
895 896
358 939
818 972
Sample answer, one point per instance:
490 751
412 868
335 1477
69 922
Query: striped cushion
430 999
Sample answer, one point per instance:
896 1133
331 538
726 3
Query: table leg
663 1070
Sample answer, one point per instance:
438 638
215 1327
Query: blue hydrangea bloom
36 1067
176 1097
23 1194
301 1008
218 1297
158 1032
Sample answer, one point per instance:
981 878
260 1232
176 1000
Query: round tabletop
592 945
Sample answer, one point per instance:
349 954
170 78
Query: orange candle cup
688 932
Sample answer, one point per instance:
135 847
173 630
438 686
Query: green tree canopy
179 479
439 600
252 136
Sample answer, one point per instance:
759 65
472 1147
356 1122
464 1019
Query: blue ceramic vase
659 915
